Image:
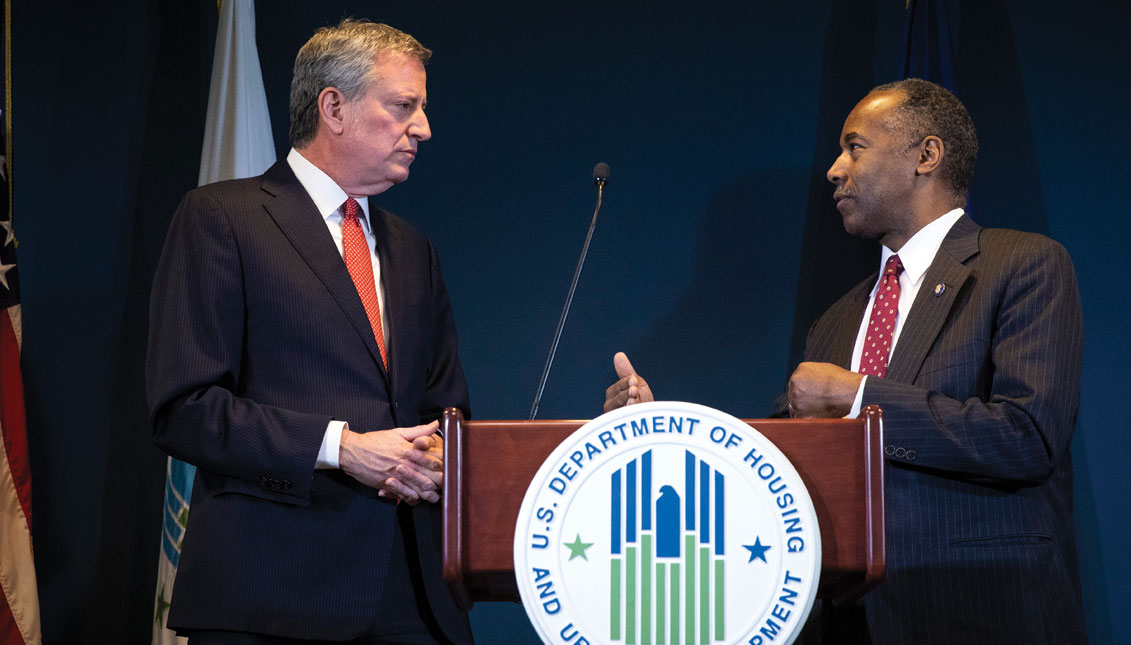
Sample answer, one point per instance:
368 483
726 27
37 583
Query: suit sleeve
1007 412
195 365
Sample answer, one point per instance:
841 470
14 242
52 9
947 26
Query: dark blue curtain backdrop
717 247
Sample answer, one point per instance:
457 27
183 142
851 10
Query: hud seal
669 523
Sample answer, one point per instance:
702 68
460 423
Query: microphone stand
601 179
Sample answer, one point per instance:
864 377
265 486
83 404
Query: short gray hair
931 109
341 57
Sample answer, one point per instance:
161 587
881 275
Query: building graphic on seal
672 546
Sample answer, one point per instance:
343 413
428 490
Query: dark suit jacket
979 406
257 340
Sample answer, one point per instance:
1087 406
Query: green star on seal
577 548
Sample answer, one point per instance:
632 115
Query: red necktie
881 324
355 250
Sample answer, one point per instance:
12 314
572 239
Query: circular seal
667 522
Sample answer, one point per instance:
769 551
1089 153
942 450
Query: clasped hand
402 463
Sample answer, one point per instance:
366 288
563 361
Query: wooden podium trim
451 425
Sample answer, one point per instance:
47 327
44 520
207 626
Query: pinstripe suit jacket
257 340
979 403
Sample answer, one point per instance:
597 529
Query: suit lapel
297 217
944 279
388 251
848 324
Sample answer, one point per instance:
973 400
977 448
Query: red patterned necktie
359 263
881 324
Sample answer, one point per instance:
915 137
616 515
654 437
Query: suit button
275 484
396 404
889 450
900 453
911 455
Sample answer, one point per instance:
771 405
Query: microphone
600 179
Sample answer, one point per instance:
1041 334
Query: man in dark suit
970 340
301 348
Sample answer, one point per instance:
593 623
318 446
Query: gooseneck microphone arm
601 179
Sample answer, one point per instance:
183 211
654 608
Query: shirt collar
919 251
328 196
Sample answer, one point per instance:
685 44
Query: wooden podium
488 466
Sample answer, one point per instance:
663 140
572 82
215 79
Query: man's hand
431 445
402 463
822 390
631 388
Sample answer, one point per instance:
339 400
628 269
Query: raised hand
630 389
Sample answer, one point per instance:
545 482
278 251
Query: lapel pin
939 289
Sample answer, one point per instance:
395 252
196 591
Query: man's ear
931 151
331 109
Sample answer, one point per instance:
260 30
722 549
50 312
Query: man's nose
419 129
836 172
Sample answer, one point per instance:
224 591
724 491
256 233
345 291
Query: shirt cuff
331 444
857 403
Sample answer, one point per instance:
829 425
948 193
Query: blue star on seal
577 548
757 550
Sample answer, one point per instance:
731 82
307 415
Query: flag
237 143
19 593
19 596
237 130
928 51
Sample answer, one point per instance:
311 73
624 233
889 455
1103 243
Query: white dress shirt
916 256
329 198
